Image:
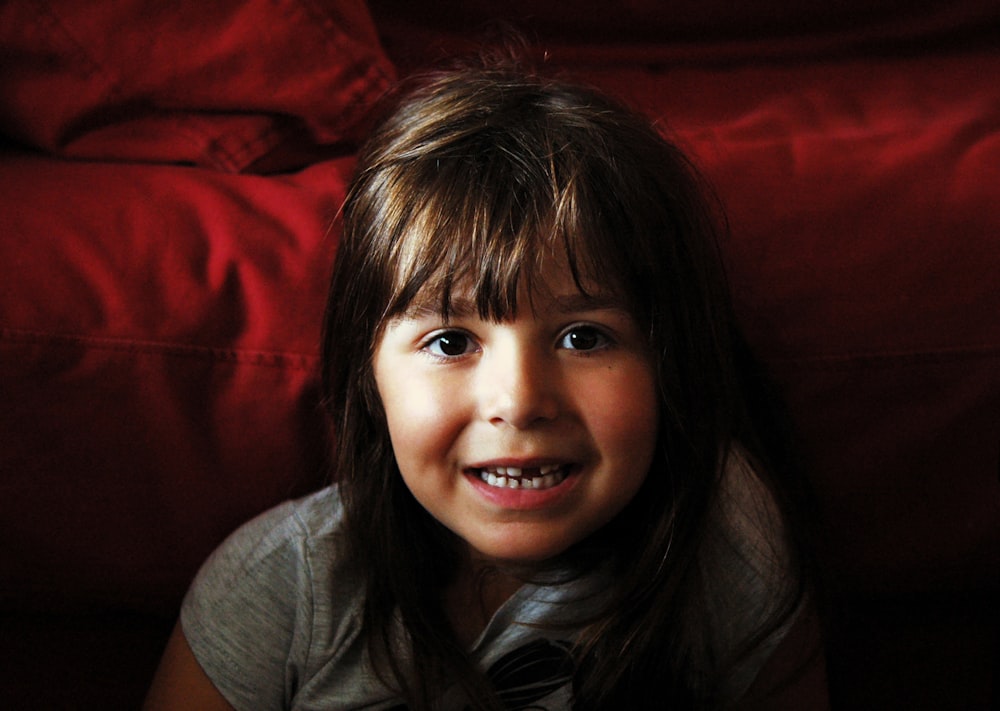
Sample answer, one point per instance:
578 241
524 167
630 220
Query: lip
523 499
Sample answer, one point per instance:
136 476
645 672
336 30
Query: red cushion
158 326
863 202
158 338
228 83
643 32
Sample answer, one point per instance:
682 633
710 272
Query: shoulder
296 535
746 522
293 523
251 616
749 589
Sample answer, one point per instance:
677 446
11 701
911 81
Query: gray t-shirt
274 615
273 618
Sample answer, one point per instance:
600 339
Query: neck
479 590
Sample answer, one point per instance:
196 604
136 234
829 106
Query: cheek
419 418
626 412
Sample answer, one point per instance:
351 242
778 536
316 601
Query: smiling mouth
539 478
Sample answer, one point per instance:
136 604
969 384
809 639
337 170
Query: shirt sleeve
247 616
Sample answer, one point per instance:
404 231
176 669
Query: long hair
474 176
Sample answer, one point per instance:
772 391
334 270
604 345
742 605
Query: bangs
483 226
475 185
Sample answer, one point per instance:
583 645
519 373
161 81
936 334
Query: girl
554 486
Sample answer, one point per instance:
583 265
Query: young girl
554 488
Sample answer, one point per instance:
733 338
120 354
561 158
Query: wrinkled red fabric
650 32
230 84
158 361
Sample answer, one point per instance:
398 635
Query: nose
518 386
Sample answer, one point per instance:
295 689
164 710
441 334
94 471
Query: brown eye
450 344
584 338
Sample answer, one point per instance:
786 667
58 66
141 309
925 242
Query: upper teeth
517 478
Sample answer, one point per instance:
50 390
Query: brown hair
475 175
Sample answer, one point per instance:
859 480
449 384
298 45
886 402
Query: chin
531 553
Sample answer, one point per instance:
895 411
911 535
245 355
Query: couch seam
259 357
926 356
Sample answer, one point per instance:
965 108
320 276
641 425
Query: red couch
167 184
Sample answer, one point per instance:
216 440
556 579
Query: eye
584 338
450 344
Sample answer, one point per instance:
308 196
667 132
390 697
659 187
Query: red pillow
231 84
653 31
159 330
864 256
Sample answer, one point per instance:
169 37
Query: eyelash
603 341
439 336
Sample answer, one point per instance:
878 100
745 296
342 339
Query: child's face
522 436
